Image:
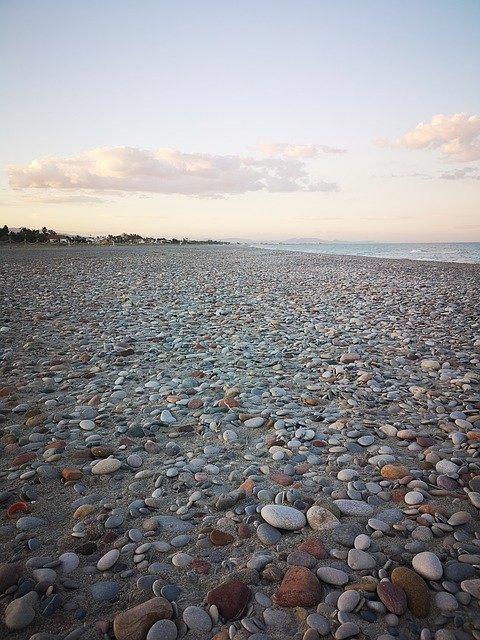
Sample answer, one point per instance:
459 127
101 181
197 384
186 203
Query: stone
348 600
354 507
283 517
321 519
231 599
346 630
299 588
446 601
428 565
20 612
392 596
220 538
267 534
330 575
29 522
413 497
108 560
314 547
106 466
197 619
254 423
163 630
134 623
9 575
104 590
416 590
359 560
472 587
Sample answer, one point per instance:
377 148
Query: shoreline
151 409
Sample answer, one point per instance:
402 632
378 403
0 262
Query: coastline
221 380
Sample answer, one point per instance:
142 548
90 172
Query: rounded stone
330 575
446 601
354 507
283 517
163 630
348 600
197 619
106 466
428 565
413 497
415 588
359 560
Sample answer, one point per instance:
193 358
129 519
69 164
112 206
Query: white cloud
167 171
457 136
295 150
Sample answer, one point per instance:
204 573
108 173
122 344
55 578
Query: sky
349 120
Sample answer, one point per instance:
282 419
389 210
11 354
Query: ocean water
434 252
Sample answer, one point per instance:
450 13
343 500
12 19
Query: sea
468 252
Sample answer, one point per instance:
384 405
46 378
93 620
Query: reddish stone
32 412
101 451
473 435
300 469
133 624
425 442
202 567
84 358
299 588
431 509
220 538
23 458
319 443
71 474
393 597
230 598
59 444
397 495
195 403
314 547
244 531
228 402
34 421
282 479
415 588
7 391
248 486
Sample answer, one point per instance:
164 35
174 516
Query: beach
244 443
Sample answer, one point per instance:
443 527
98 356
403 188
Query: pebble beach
232 443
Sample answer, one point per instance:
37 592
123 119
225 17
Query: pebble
353 414
197 619
428 565
20 613
283 517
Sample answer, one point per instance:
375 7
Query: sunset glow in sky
263 119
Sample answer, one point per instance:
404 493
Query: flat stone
231 599
197 619
283 517
321 519
267 534
105 590
299 588
220 538
106 466
472 587
415 588
134 623
319 623
428 565
354 507
446 601
254 423
108 560
393 597
346 630
29 522
330 575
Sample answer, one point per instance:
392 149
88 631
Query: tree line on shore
44 235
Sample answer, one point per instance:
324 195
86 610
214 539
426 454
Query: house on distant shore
56 238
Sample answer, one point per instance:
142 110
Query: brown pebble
231 599
220 538
416 590
133 624
299 588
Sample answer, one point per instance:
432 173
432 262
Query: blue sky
257 119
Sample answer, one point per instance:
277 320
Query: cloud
166 171
295 150
457 136
472 173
